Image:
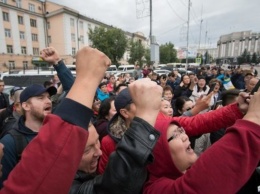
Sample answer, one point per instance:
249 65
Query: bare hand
50 55
243 100
202 103
181 84
253 113
91 64
140 91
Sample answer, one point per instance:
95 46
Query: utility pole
201 20
151 23
188 23
200 31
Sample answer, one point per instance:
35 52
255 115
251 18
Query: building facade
28 26
231 46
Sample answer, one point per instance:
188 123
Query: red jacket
108 145
41 169
193 126
223 168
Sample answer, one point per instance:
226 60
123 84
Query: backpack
20 142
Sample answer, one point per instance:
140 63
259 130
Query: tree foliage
137 52
254 58
112 42
168 53
244 58
147 55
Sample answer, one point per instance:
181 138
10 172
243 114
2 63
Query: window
35 51
6 16
8 33
73 51
73 37
48 25
18 3
23 50
3 1
20 20
9 48
11 64
49 39
22 35
31 7
72 22
82 39
33 23
25 64
89 26
81 25
34 37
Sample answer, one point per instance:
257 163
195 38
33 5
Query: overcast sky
170 17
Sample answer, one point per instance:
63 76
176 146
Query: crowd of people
190 133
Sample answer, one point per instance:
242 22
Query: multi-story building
232 45
27 26
21 31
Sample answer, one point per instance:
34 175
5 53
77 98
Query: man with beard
36 104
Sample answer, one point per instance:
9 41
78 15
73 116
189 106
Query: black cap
122 99
36 90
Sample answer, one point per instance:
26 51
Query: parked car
160 66
162 71
126 68
183 71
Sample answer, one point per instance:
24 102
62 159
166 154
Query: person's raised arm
52 56
51 159
126 170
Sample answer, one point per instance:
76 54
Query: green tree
137 52
147 56
254 58
110 41
245 57
168 53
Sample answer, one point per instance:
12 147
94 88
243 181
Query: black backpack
20 140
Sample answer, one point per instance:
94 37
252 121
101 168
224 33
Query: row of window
10 50
73 39
22 35
33 22
72 24
19 5
12 64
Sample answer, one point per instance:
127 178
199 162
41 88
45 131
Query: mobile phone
212 87
255 88
218 103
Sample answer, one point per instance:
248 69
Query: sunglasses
176 133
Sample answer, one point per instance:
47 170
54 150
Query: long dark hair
182 77
105 107
179 103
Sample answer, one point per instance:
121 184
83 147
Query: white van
126 68
112 69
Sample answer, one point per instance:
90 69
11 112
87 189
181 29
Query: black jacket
126 170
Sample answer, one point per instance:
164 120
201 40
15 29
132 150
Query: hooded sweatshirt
223 168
